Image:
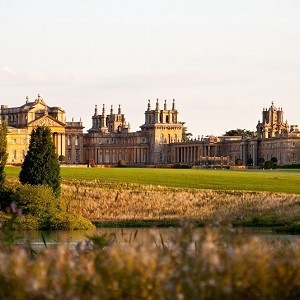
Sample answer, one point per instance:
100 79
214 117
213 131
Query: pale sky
223 61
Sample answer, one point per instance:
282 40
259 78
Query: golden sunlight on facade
161 139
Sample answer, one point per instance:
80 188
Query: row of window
121 141
77 156
19 156
19 141
292 157
278 145
69 138
265 146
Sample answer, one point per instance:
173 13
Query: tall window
69 140
69 155
76 140
77 156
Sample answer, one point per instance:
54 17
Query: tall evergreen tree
41 165
3 149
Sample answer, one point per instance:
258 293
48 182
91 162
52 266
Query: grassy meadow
279 181
162 197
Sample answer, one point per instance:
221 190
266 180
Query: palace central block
160 140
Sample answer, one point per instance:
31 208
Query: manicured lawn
286 181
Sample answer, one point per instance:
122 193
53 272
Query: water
141 236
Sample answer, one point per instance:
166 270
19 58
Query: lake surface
143 236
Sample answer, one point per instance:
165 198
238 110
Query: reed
110 201
209 266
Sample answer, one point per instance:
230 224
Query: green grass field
281 181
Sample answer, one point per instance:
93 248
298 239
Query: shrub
6 197
41 210
249 161
4 217
274 161
268 164
261 161
238 162
37 200
61 158
121 163
27 222
182 166
67 221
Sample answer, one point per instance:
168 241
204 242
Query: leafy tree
41 165
3 153
185 134
239 132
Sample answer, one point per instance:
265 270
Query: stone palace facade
160 140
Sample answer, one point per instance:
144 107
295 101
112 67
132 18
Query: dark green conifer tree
3 149
41 165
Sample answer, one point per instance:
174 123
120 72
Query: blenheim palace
160 140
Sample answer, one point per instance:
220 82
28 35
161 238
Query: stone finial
96 110
103 110
111 110
119 109
27 99
157 104
173 104
149 105
165 105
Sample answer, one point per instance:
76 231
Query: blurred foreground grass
214 265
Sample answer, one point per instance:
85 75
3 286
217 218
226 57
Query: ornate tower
109 123
272 123
163 128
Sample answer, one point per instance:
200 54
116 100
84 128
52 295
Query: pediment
46 121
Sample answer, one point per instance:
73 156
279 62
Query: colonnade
192 153
59 140
108 155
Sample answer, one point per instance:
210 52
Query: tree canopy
3 151
239 132
41 165
185 134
